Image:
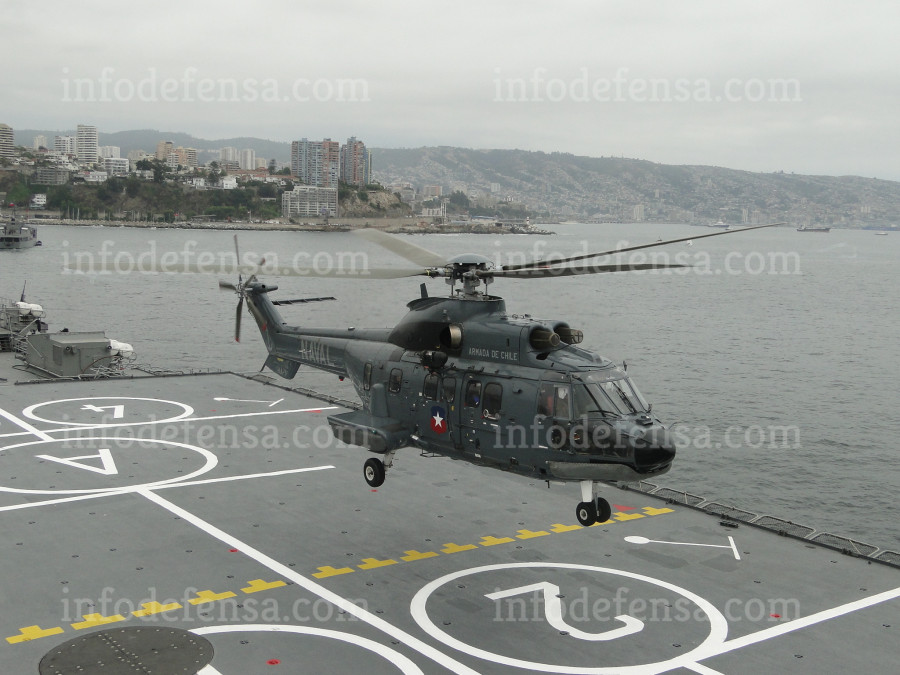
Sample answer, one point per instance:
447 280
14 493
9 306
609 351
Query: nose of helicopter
654 448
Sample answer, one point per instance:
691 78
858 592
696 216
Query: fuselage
463 378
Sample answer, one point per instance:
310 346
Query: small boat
804 228
881 234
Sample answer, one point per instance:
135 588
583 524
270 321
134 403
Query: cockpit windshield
607 395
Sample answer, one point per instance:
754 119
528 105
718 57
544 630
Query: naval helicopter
461 377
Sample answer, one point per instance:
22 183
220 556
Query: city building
86 146
7 144
316 162
116 166
430 191
51 175
309 201
109 151
356 163
65 145
40 141
228 154
39 200
94 176
248 159
137 155
163 149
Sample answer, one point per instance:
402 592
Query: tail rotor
237 288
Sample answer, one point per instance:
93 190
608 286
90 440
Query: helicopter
461 377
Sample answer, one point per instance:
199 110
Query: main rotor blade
561 261
544 272
122 267
237 320
415 254
227 285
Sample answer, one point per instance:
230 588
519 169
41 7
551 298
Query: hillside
562 185
612 188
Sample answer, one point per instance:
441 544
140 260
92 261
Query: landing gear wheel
586 513
604 510
373 470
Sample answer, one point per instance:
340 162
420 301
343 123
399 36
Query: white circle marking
717 634
398 659
211 462
29 411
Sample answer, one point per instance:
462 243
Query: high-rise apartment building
164 149
228 154
109 151
7 145
86 146
40 141
64 145
356 163
316 162
248 159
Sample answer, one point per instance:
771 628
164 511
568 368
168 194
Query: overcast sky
811 86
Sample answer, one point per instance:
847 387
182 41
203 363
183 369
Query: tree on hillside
459 200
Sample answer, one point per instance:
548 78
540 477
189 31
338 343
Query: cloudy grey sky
810 86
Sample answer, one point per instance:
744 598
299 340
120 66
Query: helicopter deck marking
404 664
29 429
47 433
29 412
258 585
210 462
487 541
308 584
29 633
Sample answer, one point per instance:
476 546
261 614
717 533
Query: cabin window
367 377
430 387
493 395
473 393
449 389
554 400
395 380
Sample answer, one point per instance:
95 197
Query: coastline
393 225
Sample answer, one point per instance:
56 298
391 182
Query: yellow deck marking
412 556
372 563
156 608
32 633
493 541
208 596
456 548
329 571
254 586
258 585
91 620
618 515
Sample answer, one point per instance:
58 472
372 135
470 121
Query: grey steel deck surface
223 506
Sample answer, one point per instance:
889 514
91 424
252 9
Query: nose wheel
593 509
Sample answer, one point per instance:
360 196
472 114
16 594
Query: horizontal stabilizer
284 367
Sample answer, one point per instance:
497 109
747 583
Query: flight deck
222 505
